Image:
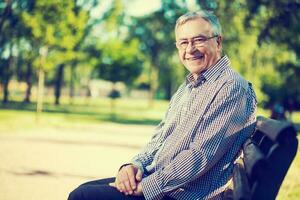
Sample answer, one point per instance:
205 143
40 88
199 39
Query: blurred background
84 82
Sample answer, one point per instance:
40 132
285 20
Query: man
192 152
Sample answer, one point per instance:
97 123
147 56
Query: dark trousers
100 190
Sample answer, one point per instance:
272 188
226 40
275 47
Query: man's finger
128 189
119 180
113 184
123 183
139 175
121 187
138 191
131 177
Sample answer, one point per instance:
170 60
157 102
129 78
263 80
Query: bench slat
267 156
277 131
255 161
281 158
240 183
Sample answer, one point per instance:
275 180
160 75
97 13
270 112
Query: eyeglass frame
192 41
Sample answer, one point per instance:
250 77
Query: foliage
156 35
260 37
113 58
261 44
278 24
119 61
56 26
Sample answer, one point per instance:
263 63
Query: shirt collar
194 83
210 74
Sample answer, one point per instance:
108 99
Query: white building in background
102 88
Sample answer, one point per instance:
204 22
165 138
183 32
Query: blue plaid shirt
192 152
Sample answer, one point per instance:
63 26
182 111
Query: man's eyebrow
197 36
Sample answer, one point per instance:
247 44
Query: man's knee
76 194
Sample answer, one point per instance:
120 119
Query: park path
47 165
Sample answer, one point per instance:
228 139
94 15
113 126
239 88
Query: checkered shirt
192 151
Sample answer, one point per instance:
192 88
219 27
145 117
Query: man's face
200 57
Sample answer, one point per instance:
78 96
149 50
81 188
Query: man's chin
195 63
195 68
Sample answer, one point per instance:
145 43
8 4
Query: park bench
265 159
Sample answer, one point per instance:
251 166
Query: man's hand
138 191
127 180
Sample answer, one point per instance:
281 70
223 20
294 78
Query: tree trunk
41 79
28 82
5 90
113 102
59 82
39 106
72 87
168 90
153 85
87 92
6 78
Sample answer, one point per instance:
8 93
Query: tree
278 22
57 26
9 33
24 66
5 76
256 59
120 62
84 30
120 58
156 35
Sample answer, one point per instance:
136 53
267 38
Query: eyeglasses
198 41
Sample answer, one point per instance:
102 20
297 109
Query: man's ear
219 42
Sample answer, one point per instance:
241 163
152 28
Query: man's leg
99 190
104 181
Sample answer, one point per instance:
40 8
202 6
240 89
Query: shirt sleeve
147 154
226 115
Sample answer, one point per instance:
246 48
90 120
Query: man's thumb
138 175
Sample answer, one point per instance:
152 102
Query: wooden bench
264 162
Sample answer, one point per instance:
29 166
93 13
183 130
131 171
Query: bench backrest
267 156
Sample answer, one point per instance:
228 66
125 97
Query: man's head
199 40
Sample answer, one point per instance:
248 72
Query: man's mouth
195 57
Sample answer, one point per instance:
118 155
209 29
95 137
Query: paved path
47 166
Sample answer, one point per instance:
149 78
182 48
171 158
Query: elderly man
193 149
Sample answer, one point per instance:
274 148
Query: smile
195 57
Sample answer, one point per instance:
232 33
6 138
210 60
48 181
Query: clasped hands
128 180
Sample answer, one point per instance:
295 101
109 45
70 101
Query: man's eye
199 40
183 43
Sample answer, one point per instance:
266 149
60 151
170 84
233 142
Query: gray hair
208 16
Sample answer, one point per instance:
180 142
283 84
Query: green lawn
290 188
126 111
18 118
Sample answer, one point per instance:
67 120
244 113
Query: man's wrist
138 165
125 165
135 164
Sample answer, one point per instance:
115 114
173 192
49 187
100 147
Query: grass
290 189
126 111
19 118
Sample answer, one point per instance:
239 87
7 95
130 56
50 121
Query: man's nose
190 48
